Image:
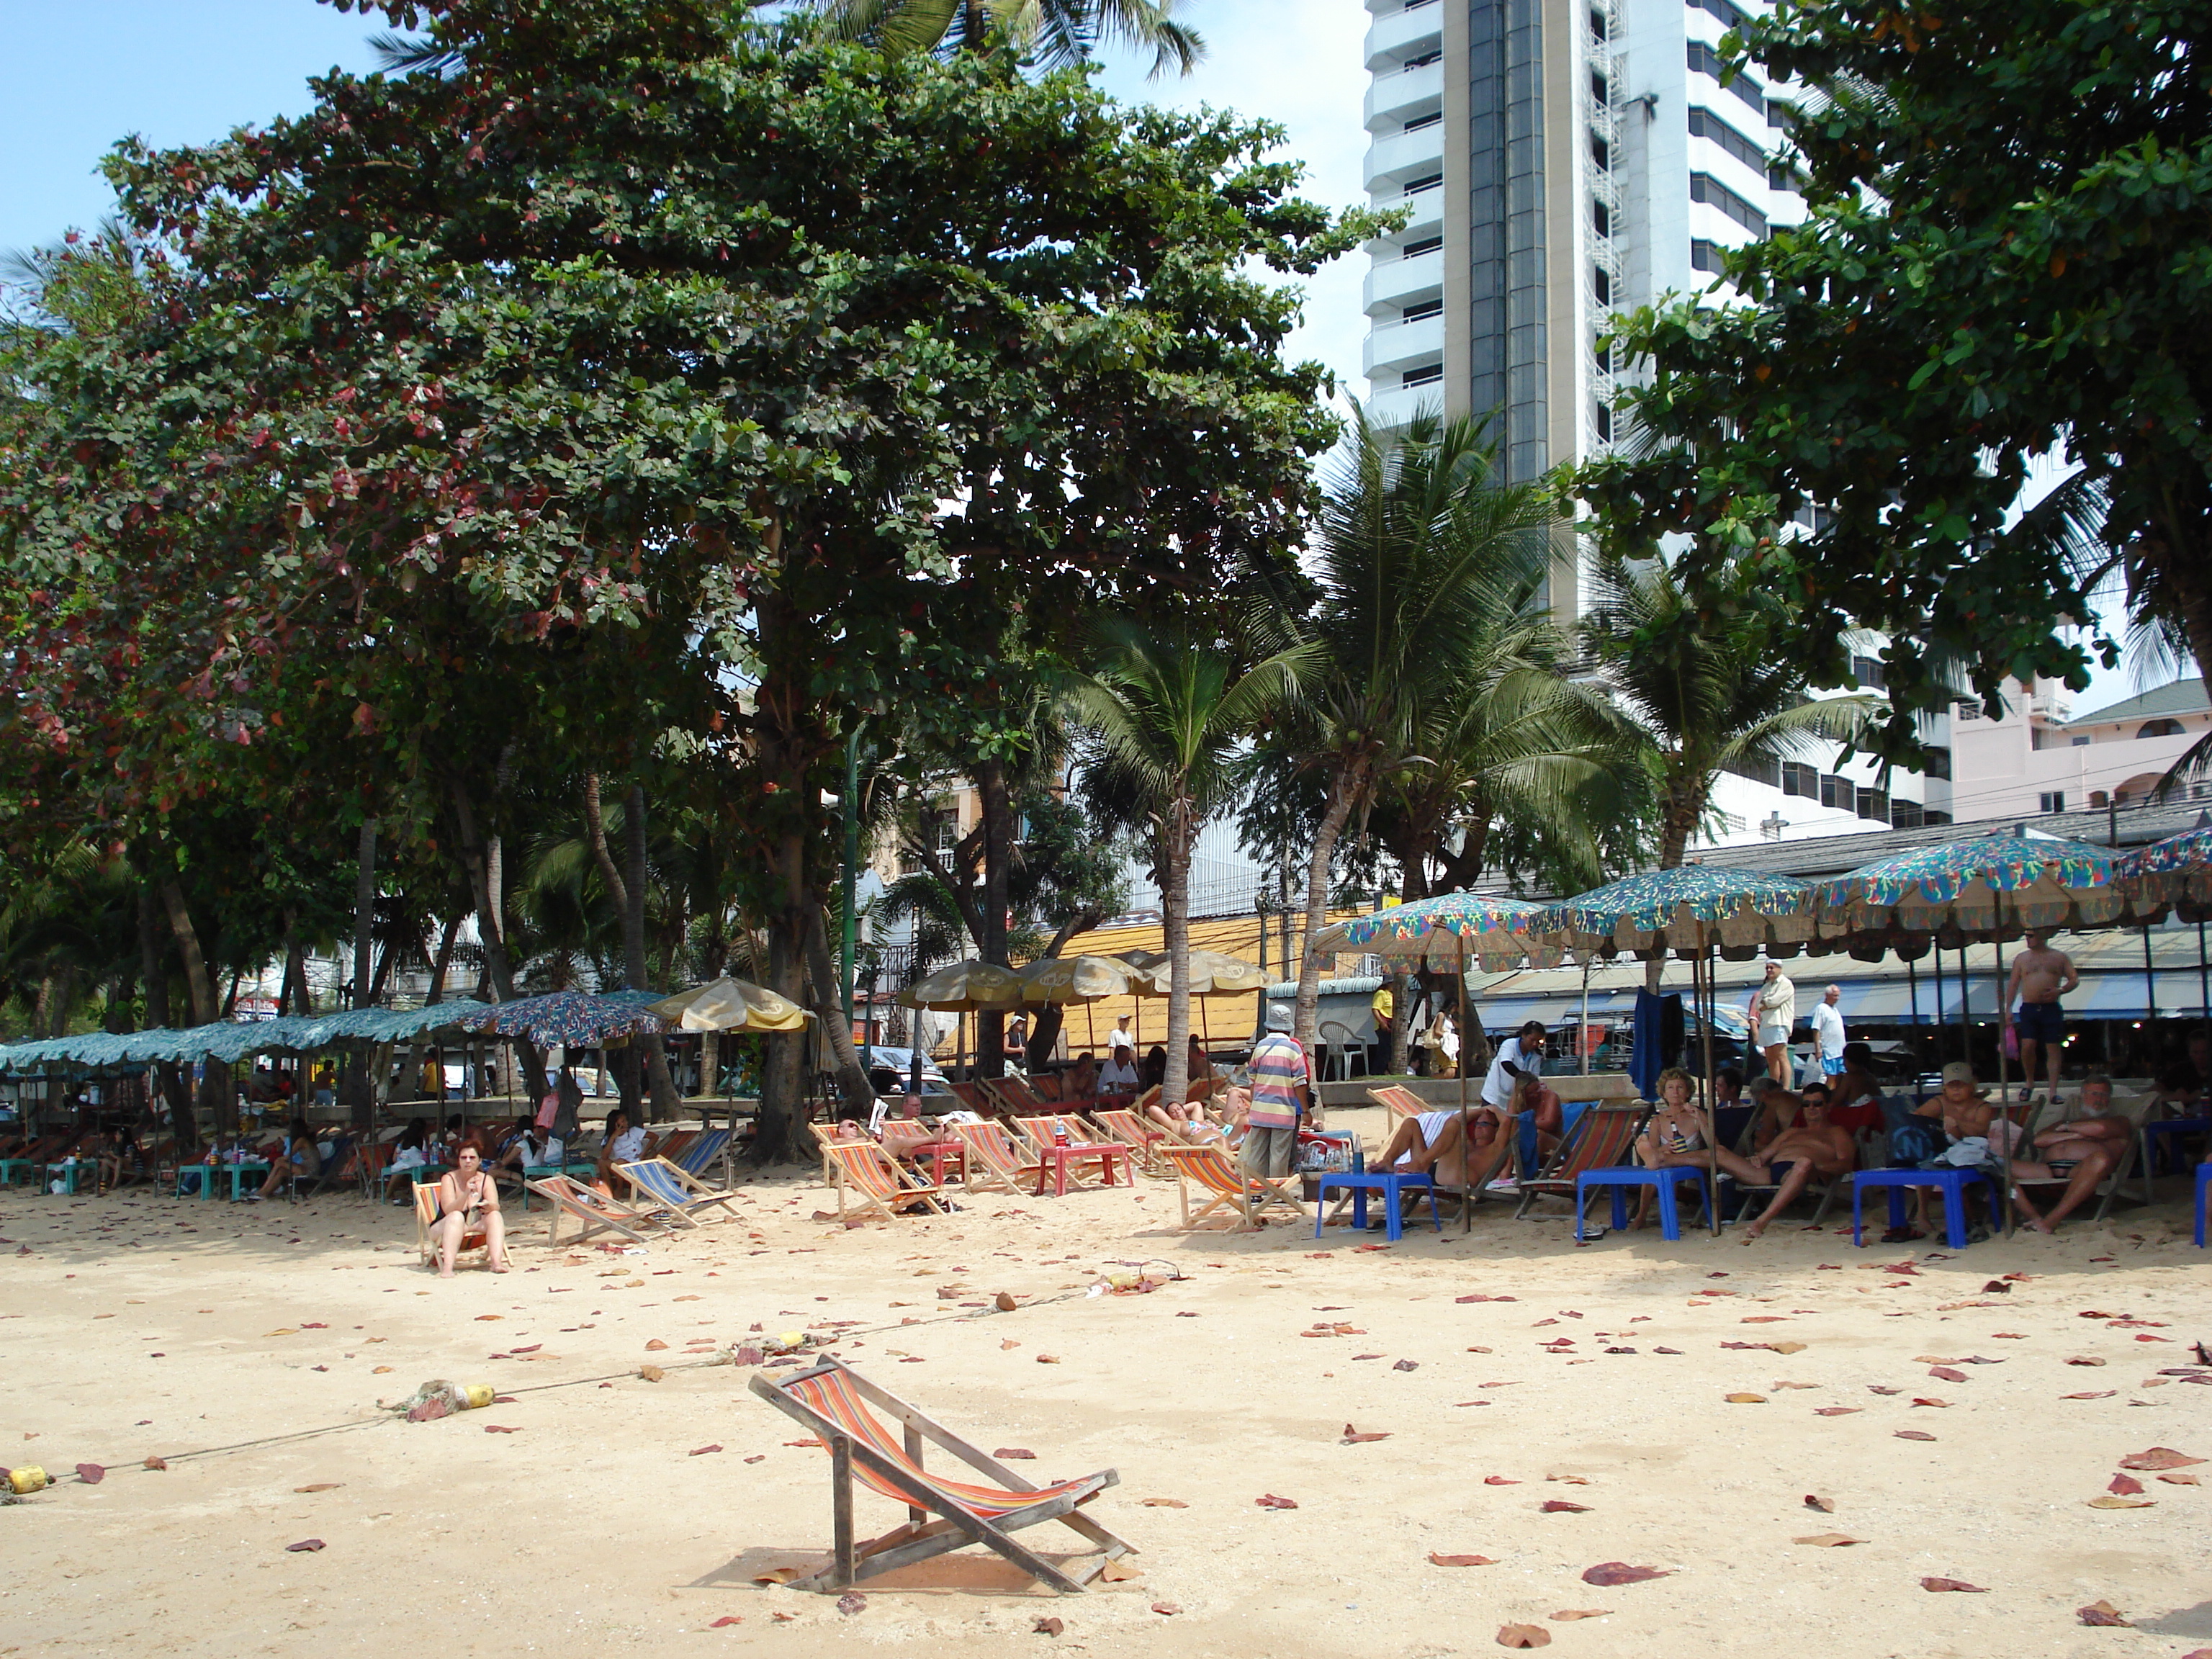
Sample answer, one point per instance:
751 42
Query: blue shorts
2040 1022
1831 1065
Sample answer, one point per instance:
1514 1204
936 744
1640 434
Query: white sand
593 1527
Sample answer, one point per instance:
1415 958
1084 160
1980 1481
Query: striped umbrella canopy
1745 912
2176 870
571 1017
1496 933
1986 886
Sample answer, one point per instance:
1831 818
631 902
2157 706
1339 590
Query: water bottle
1060 1132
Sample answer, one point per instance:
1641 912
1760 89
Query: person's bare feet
1757 1230
499 1267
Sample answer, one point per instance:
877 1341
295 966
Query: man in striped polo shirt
1282 1091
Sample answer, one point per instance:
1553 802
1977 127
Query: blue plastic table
1664 1181
1953 1182
1390 1184
2156 1136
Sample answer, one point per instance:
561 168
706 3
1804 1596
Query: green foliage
1054 33
2005 253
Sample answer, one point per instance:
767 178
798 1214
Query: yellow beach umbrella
733 1004
1078 979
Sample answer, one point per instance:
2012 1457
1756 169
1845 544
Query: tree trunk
1176 834
215 1083
656 1051
852 1076
154 972
361 1092
782 1094
481 859
991 942
1401 983
1344 787
438 965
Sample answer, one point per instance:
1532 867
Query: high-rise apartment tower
1562 160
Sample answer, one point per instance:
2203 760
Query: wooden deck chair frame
707 1149
1122 1123
1584 1149
426 1218
919 1539
687 1199
1249 1196
994 1158
842 1163
1400 1102
595 1214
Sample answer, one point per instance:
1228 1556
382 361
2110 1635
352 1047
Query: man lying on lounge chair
1435 1144
1789 1161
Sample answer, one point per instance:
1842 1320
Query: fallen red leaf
1607 1574
1269 1501
1836 1411
1912 1434
500 1428
1945 1374
91 1474
1942 1404
2094 1394
2102 1613
1017 1454
1814 1501
1951 1584
1048 1626
724 1622
1498 1480
2126 1485
1560 1506
1166 1609
1355 1437
701 1451
307 1545
1436 1560
2159 1457
1523 1636
157 1463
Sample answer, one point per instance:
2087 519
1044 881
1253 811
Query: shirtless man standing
1815 1146
2040 975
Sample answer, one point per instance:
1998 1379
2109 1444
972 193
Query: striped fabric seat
832 1394
862 1171
992 1159
679 1195
1212 1171
839 1407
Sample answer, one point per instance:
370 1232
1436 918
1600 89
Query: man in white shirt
1828 1032
1119 1074
1772 1008
1521 1052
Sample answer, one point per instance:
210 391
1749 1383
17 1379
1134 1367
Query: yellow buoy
27 1479
478 1394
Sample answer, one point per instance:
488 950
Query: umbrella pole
2203 978
1712 1117
1466 1162
2150 979
2004 1115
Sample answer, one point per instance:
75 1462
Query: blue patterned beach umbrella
1986 886
571 1019
1742 911
1496 932
2178 870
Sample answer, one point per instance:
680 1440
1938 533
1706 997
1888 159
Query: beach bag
1914 1142
2010 1041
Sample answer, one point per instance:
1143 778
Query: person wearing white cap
1282 1092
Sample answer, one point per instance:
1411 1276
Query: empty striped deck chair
1215 1171
1603 1138
861 1170
994 1160
682 1197
839 1406
592 1210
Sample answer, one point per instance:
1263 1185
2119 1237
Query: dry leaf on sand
1355 1437
1814 1501
1119 1572
1912 1434
1829 1540
1047 1627
850 1602
2101 1612
1164 1503
2159 1457
1606 1574
1436 1560
1560 1506
2126 1484
1746 1400
2109 1502
651 1373
1166 1609
777 1576
1269 1501
1568 1615
1951 1584
305 1546
1835 1411
1523 1636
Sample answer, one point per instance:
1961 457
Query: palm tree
1438 678
1170 710
1706 688
1052 34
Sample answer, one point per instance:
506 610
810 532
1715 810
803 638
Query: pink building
2040 758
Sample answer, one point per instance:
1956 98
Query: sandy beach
1546 1405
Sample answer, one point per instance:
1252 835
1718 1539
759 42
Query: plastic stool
1953 1182
1662 1181
2203 1181
1391 1185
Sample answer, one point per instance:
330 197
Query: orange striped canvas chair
592 1210
995 1160
862 1172
839 1406
1222 1181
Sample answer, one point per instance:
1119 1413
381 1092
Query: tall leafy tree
1056 34
1706 690
617 356
2003 256
1171 705
1425 569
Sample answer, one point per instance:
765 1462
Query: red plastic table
937 1152
1057 1158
